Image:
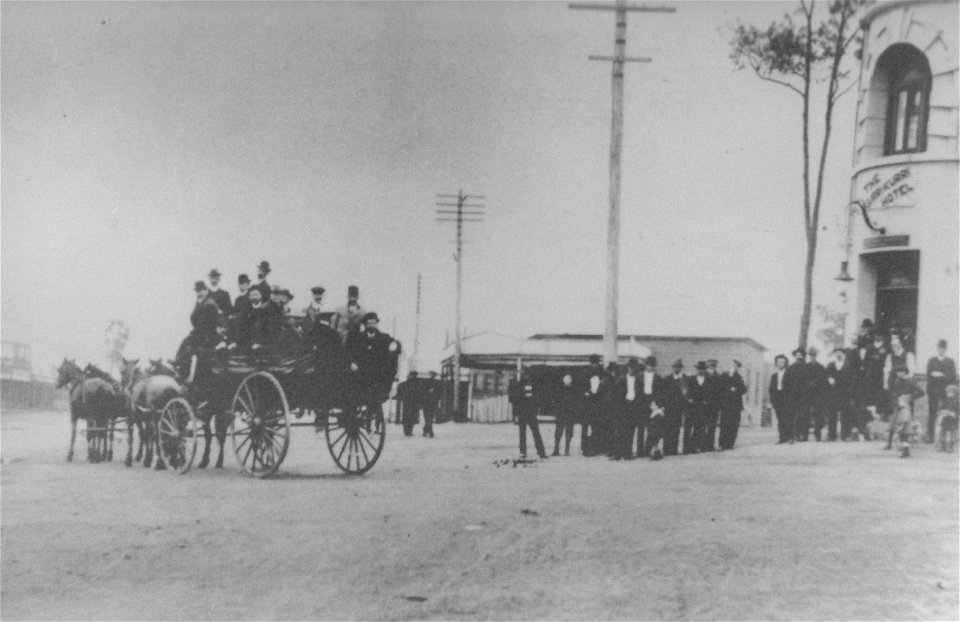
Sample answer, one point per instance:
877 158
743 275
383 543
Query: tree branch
760 75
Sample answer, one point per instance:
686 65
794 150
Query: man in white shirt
778 400
628 393
650 431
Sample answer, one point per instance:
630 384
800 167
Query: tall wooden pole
620 7
416 331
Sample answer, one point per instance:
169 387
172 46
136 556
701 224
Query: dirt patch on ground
439 530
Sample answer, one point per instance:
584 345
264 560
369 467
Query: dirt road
438 531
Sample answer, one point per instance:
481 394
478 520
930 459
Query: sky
142 144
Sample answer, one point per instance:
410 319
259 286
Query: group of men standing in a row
632 412
416 394
860 384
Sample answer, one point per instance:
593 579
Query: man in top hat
941 372
794 394
263 269
731 406
698 406
373 357
219 296
347 318
673 396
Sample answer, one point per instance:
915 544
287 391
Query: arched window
908 104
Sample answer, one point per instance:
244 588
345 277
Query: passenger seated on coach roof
259 326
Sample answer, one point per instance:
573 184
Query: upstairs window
908 105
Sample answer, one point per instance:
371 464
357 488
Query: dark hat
711 362
317 290
353 291
813 351
701 366
901 368
737 363
412 374
866 323
678 364
800 351
651 361
433 374
612 366
594 359
264 266
370 316
286 292
243 278
835 350
214 272
633 363
942 344
276 289
199 286
876 333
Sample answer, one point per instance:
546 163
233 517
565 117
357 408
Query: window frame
902 62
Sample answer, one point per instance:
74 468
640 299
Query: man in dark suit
373 357
567 413
731 406
941 372
816 396
259 326
698 404
314 313
524 401
841 377
263 269
651 389
794 392
778 400
626 416
714 398
219 296
203 319
242 302
674 388
592 407
407 403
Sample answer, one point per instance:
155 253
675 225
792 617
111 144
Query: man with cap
263 269
731 406
592 406
347 318
794 393
203 319
941 372
673 396
373 357
219 296
698 404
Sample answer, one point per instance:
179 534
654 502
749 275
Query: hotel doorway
898 278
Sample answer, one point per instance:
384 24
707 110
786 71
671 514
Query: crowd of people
631 412
871 381
260 321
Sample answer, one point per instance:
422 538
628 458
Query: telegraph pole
611 330
416 331
459 216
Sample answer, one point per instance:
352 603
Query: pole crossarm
603 6
625 59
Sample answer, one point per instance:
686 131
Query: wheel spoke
364 438
343 449
342 434
252 403
366 458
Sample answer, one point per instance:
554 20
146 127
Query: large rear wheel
355 438
178 428
259 432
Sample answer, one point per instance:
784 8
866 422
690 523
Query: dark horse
95 401
146 396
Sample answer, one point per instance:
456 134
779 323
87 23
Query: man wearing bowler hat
204 320
673 396
698 400
651 387
347 318
373 357
219 296
242 304
714 399
263 269
941 372
794 395
731 406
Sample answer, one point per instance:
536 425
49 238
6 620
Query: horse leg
129 460
207 441
147 440
73 436
140 435
156 435
221 437
108 442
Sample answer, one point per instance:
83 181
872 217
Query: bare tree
115 338
799 54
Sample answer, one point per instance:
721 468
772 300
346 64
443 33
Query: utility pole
459 216
611 329
416 331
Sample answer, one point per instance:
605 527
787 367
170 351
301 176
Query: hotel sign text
896 190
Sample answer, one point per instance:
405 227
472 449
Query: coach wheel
355 438
260 433
178 428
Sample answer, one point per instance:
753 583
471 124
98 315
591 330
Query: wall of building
913 196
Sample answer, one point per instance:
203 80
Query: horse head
158 367
130 373
68 372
